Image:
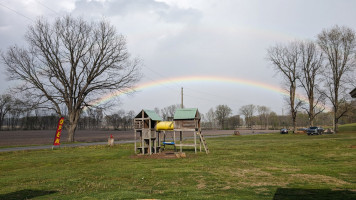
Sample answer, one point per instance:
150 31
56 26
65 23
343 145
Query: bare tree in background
5 107
263 113
168 112
309 71
71 63
338 45
248 111
234 122
222 112
285 61
14 114
211 118
274 120
156 110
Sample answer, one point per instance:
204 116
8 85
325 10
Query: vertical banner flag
57 137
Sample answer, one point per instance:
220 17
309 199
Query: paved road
91 138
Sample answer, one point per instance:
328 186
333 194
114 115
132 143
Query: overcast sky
180 38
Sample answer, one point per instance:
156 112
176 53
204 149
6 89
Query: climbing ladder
202 141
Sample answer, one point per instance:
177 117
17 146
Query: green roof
153 115
186 113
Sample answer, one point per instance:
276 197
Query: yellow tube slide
164 126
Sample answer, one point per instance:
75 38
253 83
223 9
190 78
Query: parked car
314 130
284 131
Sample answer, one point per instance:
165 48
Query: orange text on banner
57 137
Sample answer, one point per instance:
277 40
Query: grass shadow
25 194
313 194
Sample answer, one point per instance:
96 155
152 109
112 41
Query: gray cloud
125 8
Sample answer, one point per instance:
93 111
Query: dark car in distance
284 131
314 130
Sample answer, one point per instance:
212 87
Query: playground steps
202 139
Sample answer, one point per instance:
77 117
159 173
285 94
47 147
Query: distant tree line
17 115
262 117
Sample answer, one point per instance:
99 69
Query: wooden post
174 138
149 137
142 143
149 146
158 141
149 143
200 141
195 141
164 139
155 143
180 140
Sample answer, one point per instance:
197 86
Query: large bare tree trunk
71 132
336 117
336 121
292 108
72 126
311 111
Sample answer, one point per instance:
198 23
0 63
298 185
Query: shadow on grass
25 194
313 194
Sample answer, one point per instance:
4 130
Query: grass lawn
270 166
347 128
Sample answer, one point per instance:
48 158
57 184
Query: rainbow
187 79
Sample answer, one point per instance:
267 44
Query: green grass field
270 166
348 128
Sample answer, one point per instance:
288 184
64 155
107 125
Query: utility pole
181 105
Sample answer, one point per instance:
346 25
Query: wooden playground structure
145 129
152 131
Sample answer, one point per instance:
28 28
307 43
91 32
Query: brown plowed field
42 137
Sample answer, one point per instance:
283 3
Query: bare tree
18 108
274 120
156 110
309 70
131 116
71 63
211 118
5 107
248 111
234 122
168 112
263 113
93 118
120 123
222 112
285 61
338 45
117 120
